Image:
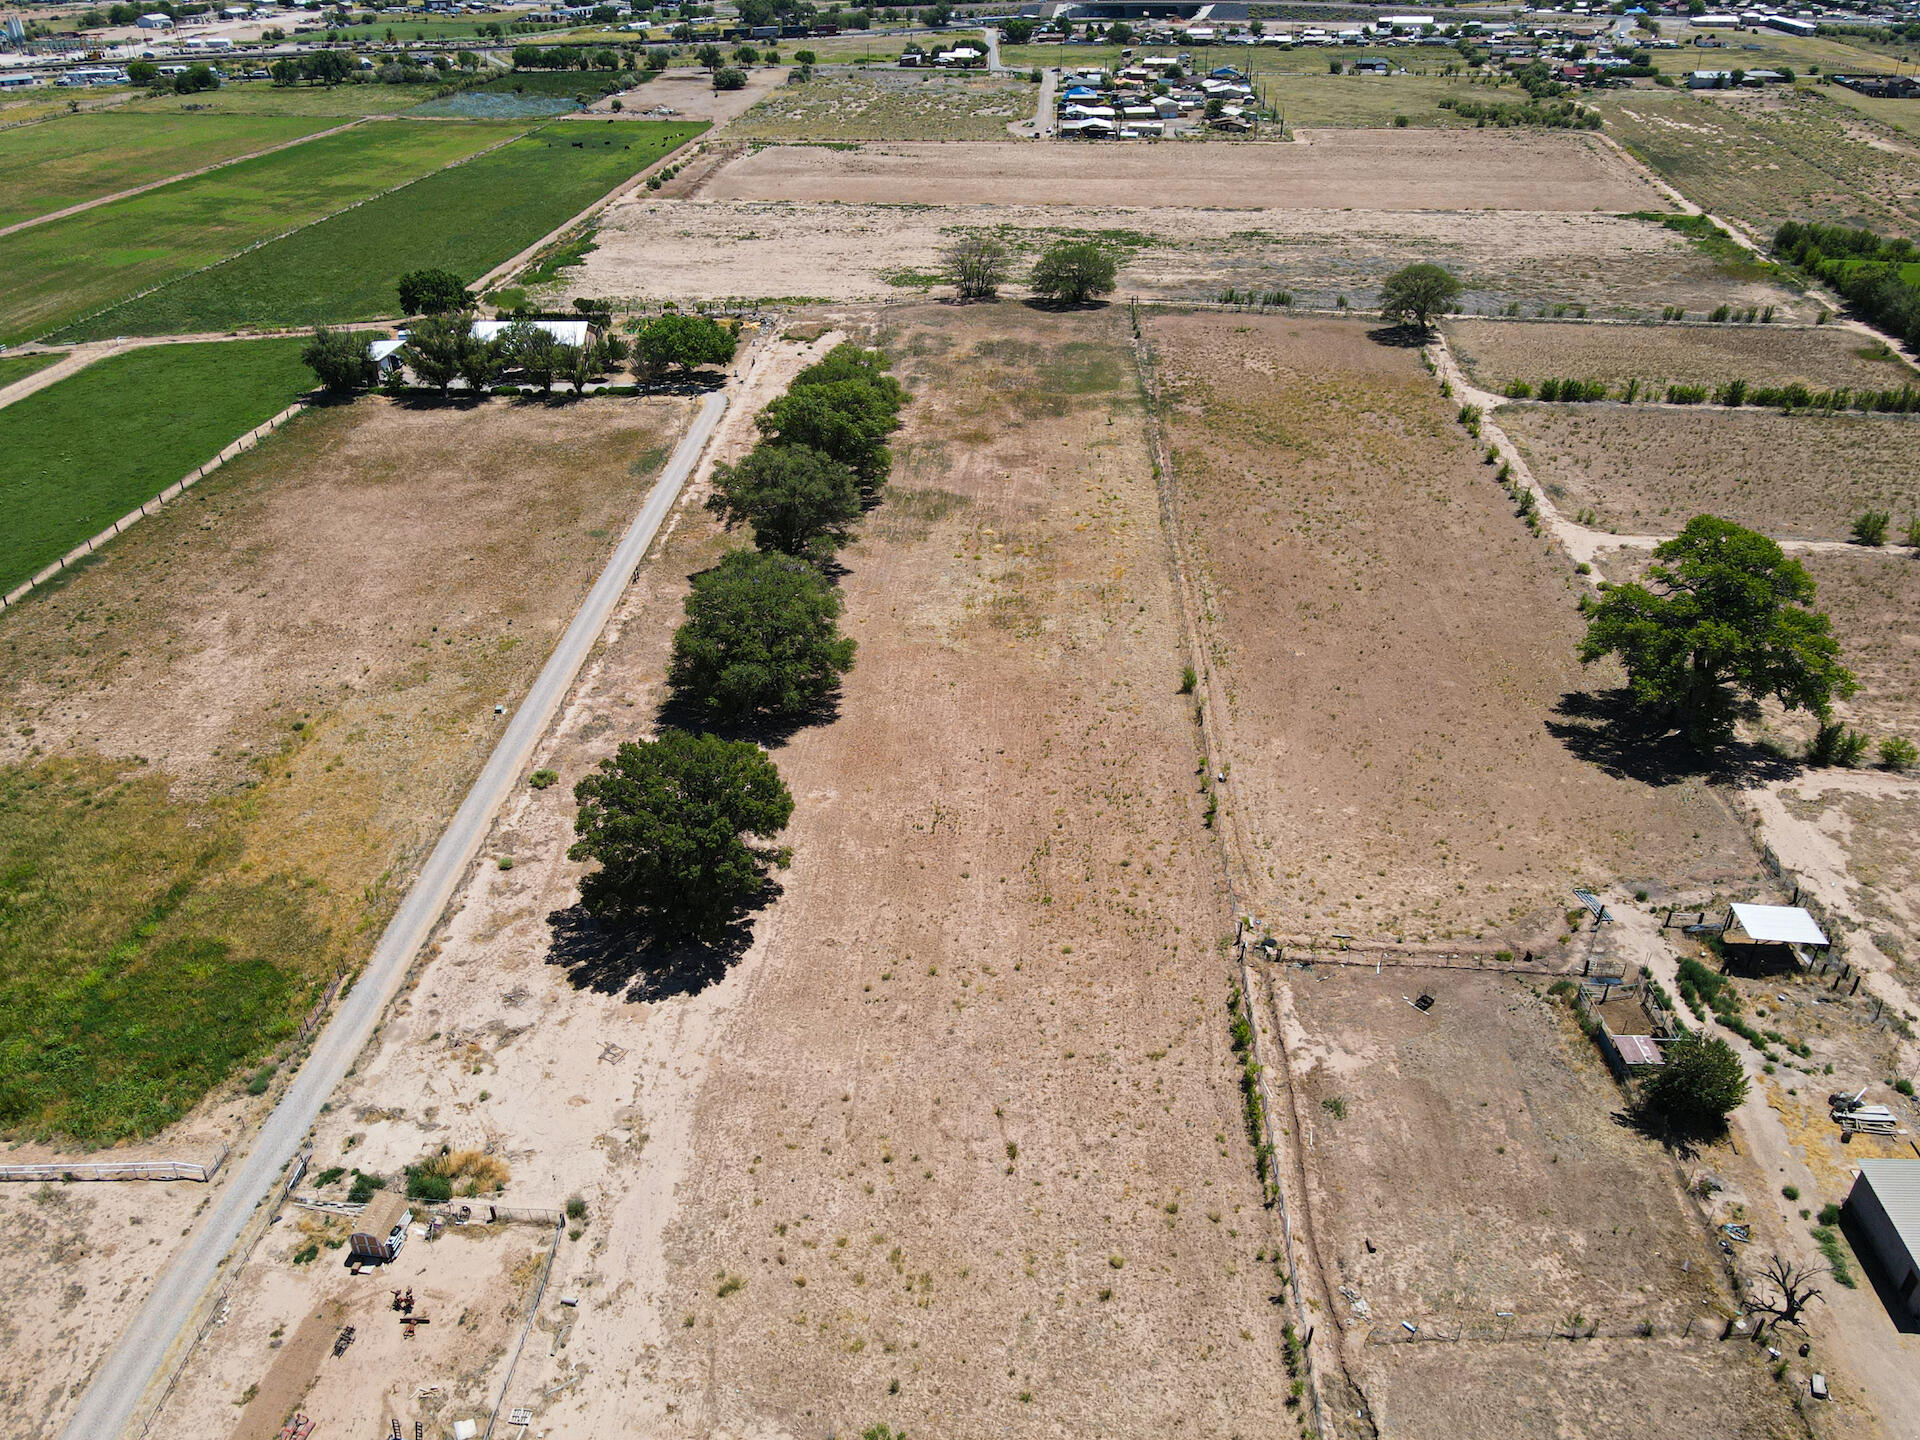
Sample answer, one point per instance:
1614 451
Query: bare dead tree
1796 1289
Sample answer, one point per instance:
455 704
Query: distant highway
123 1380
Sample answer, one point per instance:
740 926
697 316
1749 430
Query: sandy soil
1407 753
651 248
1650 471
890 105
272 1353
1325 169
690 95
970 1080
307 581
1494 352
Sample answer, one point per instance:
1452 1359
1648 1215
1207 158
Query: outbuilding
382 1228
1770 937
1885 1204
155 22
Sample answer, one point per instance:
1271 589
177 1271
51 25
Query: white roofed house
567 332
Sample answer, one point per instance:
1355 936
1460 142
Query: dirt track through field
1327 169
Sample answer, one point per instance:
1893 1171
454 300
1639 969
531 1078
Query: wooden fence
61 1171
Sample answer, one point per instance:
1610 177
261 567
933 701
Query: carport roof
1778 925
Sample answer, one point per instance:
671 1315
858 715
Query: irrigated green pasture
54 274
202 968
260 97
18 367
82 157
467 219
84 452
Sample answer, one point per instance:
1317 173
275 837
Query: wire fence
133 517
1669 1324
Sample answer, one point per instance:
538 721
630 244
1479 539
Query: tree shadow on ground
626 960
1605 728
1064 307
1400 337
766 731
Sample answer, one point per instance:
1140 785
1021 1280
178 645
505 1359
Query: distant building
155 22
1885 1204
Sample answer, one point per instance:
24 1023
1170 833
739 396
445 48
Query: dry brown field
1874 601
1393 649
1494 352
1326 169
890 105
308 648
1648 471
962 1120
651 248
1465 1166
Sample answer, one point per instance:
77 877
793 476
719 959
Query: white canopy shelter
1774 925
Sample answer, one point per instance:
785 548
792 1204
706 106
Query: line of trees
1069 272
682 826
1879 278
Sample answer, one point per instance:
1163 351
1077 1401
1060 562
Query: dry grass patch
1392 646
974 1089
888 105
1495 352
1874 601
299 661
1648 471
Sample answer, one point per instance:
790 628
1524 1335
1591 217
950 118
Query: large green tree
799 502
432 292
671 823
1722 611
1072 272
683 342
1417 295
1693 1093
436 347
340 360
848 420
761 638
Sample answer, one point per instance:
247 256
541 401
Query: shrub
1871 528
1834 744
541 779
1903 1087
1792 1192
729 79
1188 679
1898 753
363 1187
261 1080
576 1208
1518 390
340 360
1829 1214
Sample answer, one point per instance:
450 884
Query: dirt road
118 1388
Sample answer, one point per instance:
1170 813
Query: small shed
1770 937
1885 1203
382 1228
386 355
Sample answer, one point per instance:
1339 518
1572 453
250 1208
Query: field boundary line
618 192
156 1337
100 200
1191 612
47 338
148 507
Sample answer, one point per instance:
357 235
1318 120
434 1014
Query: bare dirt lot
652 248
273 1355
1494 352
1393 648
1324 169
1468 1175
307 649
1648 471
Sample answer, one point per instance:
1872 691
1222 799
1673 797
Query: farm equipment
1855 1118
298 1428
